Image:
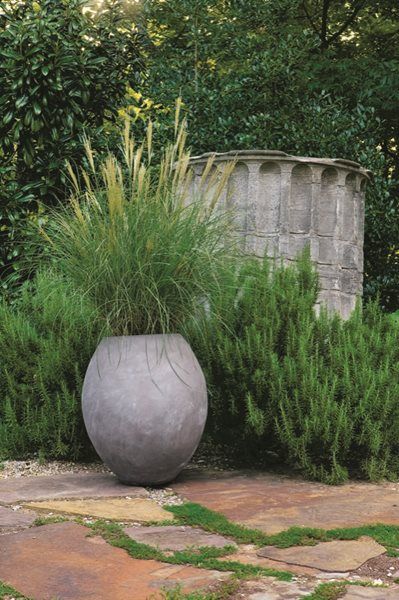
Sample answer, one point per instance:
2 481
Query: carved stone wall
283 203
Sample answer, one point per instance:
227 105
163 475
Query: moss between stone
207 557
198 516
49 520
203 558
6 591
336 589
224 591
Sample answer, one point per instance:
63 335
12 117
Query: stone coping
256 155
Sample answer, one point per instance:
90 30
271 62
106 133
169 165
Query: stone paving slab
337 555
358 592
247 554
60 561
13 519
272 589
68 485
116 509
273 503
176 537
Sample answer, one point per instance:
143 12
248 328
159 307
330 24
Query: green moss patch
7 591
198 516
203 558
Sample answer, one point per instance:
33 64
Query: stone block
327 250
359 592
11 519
329 277
332 300
338 555
297 244
350 281
350 256
177 537
68 485
63 561
299 220
116 509
348 303
260 245
325 222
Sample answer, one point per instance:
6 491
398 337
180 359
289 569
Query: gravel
207 456
26 468
34 467
164 496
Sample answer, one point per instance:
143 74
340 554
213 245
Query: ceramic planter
144 405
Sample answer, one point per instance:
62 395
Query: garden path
43 558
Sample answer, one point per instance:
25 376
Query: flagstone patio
66 561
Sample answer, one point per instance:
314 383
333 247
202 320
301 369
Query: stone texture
60 561
144 403
273 503
14 519
176 537
117 509
337 555
68 485
272 589
358 592
298 201
247 554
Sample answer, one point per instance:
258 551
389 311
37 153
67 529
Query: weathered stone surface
298 200
14 519
68 485
273 503
176 537
327 250
117 509
337 555
273 589
247 554
358 592
60 561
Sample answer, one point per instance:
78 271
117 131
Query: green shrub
64 71
46 341
321 393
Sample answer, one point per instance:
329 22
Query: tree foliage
311 77
63 72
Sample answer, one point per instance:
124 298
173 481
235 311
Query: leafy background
310 77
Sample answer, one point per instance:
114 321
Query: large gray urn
144 405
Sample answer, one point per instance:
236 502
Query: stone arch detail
327 208
268 198
237 195
280 203
300 205
350 208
